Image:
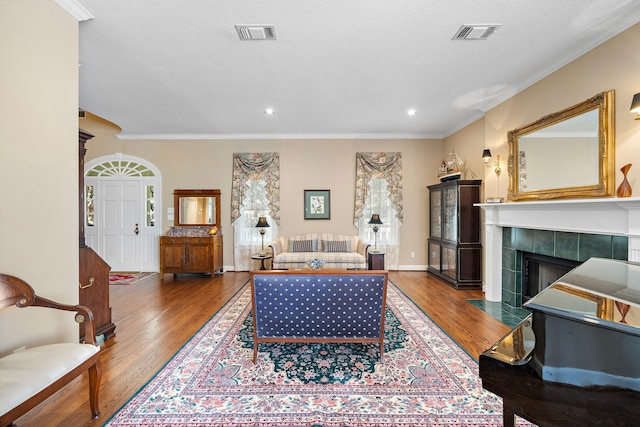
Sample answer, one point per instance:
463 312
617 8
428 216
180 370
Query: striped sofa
336 250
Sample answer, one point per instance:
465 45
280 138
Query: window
388 236
254 205
255 192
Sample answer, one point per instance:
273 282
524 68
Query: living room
38 165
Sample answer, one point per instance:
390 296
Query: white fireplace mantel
612 216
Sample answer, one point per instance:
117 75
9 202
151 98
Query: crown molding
134 136
75 9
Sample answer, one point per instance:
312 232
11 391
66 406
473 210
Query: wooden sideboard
190 255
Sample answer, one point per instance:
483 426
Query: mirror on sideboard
196 207
566 154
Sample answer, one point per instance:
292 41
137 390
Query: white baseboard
231 268
412 268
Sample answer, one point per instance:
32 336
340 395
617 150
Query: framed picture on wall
317 204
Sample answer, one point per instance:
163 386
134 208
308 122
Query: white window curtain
255 192
388 239
247 238
379 191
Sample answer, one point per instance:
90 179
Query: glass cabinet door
434 256
450 220
436 214
449 265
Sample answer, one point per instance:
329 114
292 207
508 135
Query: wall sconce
635 105
262 224
486 156
375 220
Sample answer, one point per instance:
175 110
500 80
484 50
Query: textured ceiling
351 68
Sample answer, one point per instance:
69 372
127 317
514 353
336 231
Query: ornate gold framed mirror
568 154
196 207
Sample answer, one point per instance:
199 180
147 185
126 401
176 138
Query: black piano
575 361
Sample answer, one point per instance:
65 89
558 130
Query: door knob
137 230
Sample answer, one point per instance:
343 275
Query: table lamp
262 224
375 220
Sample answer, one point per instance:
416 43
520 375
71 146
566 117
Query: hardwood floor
154 319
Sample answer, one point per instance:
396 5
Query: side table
262 258
375 261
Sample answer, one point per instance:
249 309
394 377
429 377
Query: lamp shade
262 222
635 104
375 219
486 154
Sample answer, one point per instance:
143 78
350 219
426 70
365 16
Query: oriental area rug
425 379
128 278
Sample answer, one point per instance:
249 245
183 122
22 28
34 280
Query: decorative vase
623 309
624 190
316 264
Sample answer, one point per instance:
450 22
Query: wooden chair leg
508 415
95 374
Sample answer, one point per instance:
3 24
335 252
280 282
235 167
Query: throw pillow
336 245
303 245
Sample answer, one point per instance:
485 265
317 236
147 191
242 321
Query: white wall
38 165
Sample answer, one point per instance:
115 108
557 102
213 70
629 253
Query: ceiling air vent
256 32
475 32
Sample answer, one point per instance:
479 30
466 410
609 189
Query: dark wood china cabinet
455 252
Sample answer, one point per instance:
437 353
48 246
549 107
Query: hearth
540 271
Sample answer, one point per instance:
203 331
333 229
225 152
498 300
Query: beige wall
38 154
468 143
304 164
330 164
612 65
39 165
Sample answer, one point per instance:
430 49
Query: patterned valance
264 166
378 165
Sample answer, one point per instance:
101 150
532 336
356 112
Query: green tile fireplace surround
560 244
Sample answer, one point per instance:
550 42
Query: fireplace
564 249
613 220
540 271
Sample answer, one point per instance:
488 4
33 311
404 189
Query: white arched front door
122 199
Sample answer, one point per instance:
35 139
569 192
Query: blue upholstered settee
318 306
336 250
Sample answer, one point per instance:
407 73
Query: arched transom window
124 168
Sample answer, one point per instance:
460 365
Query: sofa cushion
336 246
303 245
332 259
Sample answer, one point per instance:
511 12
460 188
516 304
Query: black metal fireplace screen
540 271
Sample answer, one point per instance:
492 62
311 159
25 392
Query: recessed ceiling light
411 111
270 111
